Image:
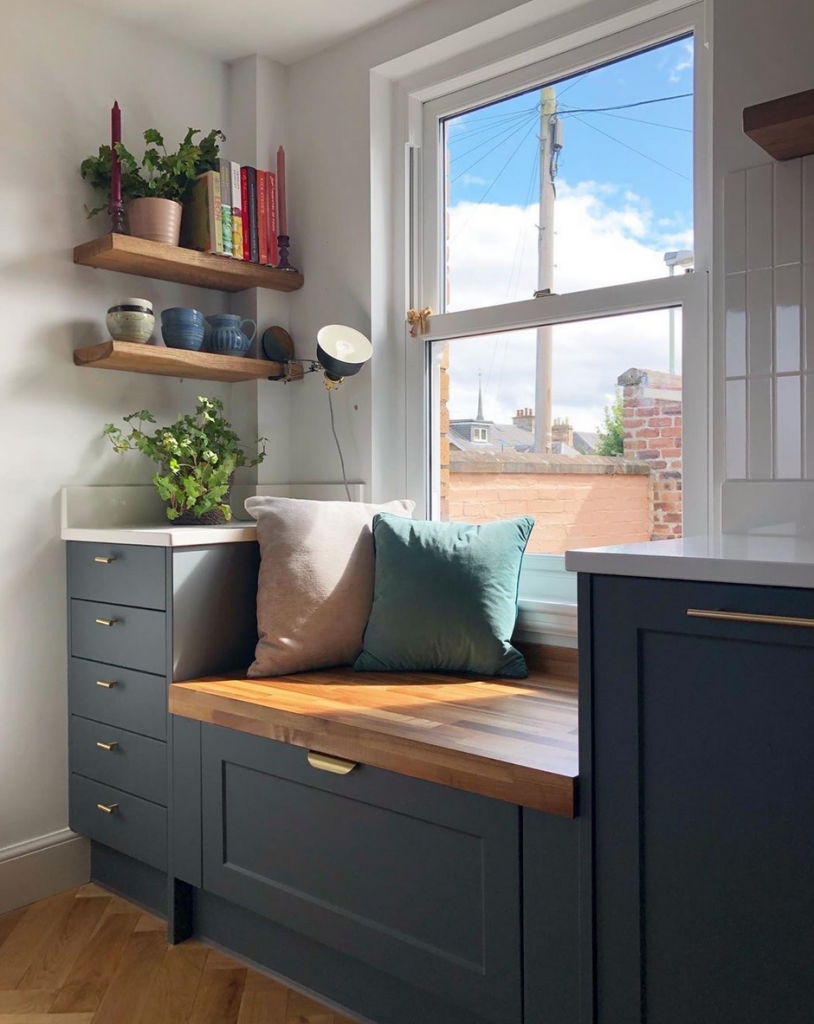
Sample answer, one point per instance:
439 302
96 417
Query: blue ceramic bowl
182 328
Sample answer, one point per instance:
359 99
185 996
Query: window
565 372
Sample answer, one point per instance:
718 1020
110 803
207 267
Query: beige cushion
315 589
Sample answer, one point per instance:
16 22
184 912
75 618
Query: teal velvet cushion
445 597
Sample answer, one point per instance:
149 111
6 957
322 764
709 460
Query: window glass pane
602 467
584 183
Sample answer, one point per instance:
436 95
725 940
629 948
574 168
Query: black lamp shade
342 351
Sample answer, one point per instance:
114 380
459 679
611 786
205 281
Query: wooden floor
87 957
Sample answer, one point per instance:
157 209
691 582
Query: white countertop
165 535
763 560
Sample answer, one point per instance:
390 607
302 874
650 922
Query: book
203 223
274 255
244 210
237 213
225 171
262 217
251 191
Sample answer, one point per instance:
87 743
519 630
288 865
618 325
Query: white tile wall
769 300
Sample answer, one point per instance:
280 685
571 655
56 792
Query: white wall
62 66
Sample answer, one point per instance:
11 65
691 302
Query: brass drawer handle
107 746
106 684
104 559
768 620
106 808
106 622
328 763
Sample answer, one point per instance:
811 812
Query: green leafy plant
612 432
160 175
197 456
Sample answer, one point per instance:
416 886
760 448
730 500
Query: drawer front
136 638
413 879
134 826
118 696
119 758
118 573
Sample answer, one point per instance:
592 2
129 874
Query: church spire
480 399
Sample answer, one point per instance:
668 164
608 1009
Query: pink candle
282 214
116 167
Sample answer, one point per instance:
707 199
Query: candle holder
116 211
282 245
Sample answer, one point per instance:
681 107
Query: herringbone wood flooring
88 957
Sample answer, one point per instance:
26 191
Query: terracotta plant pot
156 219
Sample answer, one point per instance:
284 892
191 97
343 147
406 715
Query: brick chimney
561 430
524 419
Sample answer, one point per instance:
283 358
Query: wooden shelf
139 256
784 127
175 362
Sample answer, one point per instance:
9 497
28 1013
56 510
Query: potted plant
197 458
156 189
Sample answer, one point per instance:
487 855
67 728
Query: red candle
283 216
116 167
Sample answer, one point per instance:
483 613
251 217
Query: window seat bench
512 740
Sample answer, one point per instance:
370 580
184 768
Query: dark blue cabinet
697 772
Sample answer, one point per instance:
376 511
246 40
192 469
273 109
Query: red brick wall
652 433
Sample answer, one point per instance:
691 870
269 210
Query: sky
624 198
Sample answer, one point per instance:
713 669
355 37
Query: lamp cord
338 446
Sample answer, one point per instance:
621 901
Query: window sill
547 622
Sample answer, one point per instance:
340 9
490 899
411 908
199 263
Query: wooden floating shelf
784 127
139 256
175 362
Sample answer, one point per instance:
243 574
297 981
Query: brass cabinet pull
329 763
106 808
107 746
767 620
105 559
106 684
107 622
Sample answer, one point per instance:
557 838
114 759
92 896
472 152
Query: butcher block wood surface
513 740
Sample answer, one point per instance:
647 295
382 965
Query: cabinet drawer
411 878
118 573
118 696
134 826
136 637
134 763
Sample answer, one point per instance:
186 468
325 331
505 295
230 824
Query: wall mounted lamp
341 352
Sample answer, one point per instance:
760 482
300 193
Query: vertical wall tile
759 431
735 222
788 435
788 211
736 429
759 310
808 428
735 292
808 209
759 195
808 317
787 318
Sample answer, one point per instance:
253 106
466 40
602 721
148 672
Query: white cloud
493 259
473 179
684 63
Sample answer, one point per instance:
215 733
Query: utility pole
549 146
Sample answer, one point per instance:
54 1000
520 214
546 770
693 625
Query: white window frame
548 593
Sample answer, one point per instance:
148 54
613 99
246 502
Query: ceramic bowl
131 320
182 328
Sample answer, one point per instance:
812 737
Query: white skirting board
43 866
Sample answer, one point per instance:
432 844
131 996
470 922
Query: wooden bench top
513 740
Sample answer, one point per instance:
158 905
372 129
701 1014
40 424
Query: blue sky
503 136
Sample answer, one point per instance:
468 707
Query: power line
504 133
453 137
633 150
576 81
639 120
515 130
474 120
628 106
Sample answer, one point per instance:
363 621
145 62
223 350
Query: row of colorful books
233 212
